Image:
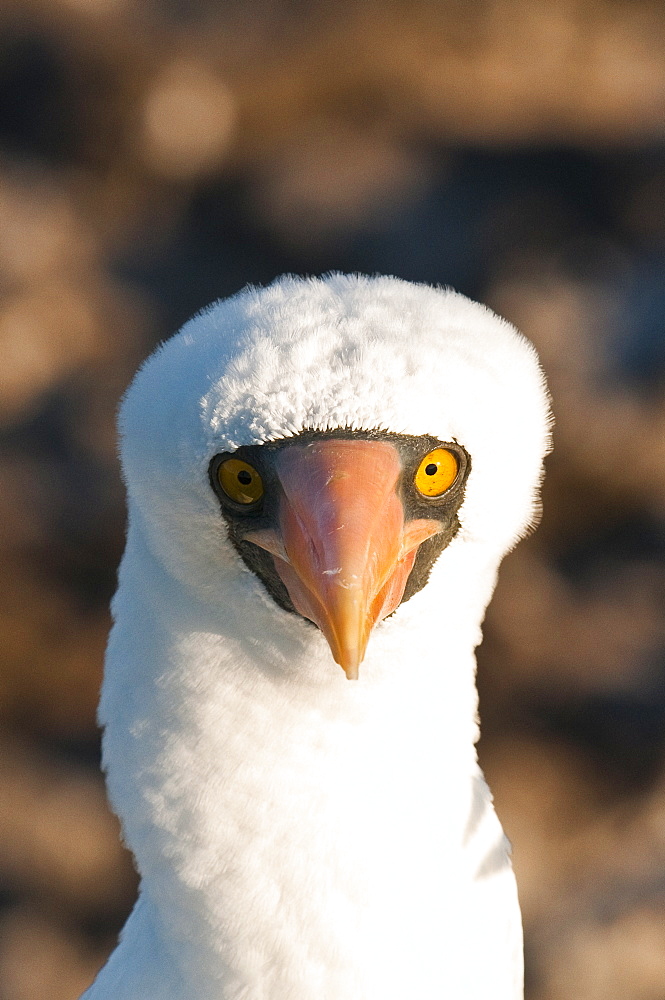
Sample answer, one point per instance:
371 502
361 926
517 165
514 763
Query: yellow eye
436 473
240 481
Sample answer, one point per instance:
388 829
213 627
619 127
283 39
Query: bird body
299 836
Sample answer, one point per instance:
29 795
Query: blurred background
158 154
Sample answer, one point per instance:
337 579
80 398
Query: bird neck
287 823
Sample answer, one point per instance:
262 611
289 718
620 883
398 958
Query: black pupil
430 470
244 477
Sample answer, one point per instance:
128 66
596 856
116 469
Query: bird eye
436 473
240 481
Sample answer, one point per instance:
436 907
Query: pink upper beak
343 550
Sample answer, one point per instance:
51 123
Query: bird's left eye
436 473
240 481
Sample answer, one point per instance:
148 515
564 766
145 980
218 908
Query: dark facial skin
241 518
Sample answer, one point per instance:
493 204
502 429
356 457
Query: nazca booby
358 453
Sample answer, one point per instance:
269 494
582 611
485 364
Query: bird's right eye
240 481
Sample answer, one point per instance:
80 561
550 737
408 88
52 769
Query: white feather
300 836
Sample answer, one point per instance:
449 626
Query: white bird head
333 436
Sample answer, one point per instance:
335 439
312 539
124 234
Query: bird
323 475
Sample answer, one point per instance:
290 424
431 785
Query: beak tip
350 663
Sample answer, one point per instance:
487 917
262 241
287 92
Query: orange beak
343 550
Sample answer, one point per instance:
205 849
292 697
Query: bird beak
342 548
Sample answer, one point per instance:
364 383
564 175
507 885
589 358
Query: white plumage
298 836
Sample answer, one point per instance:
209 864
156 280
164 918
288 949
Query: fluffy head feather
342 351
